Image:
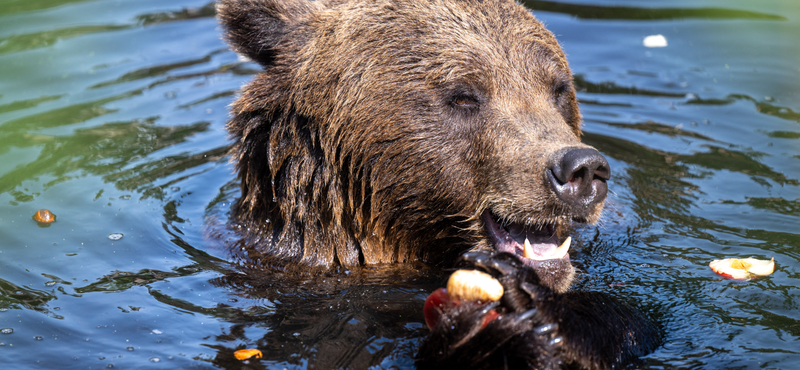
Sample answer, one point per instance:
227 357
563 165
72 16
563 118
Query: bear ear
254 28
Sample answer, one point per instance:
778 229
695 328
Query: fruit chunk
472 285
743 268
436 304
44 216
244 354
439 302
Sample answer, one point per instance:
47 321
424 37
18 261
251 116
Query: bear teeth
559 253
533 243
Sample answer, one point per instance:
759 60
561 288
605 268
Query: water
112 116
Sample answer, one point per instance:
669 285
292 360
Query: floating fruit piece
244 354
44 216
743 268
472 285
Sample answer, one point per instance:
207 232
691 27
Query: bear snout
578 177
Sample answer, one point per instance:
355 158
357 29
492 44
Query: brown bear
396 130
384 131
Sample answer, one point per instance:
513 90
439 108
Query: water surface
112 116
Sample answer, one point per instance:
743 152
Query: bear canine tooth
562 250
527 251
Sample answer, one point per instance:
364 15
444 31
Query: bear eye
464 102
559 93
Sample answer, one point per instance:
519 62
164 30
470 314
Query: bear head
397 130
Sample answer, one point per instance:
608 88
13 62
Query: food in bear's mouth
534 243
744 268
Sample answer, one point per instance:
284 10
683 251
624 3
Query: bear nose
579 176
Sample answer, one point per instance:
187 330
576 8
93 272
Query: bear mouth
535 245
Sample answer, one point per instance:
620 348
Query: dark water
112 116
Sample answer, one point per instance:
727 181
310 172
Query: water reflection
13 296
646 13
355 319
111 150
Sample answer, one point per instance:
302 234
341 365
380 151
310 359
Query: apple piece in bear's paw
437 303
742 268
473 285
463 286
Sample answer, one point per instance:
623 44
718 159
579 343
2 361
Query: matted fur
353 147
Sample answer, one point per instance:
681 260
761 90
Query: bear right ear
254 28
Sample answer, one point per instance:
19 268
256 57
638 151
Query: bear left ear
254 28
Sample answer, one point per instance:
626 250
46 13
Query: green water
112 116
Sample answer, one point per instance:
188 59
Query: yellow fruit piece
743 268
472 285
244 354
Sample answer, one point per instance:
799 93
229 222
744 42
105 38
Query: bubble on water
110 366
6 331
115 236
2 344
50 283
155 359
38 337
156 331
130 348
125 197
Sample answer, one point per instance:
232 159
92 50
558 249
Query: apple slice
742 268
473 285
